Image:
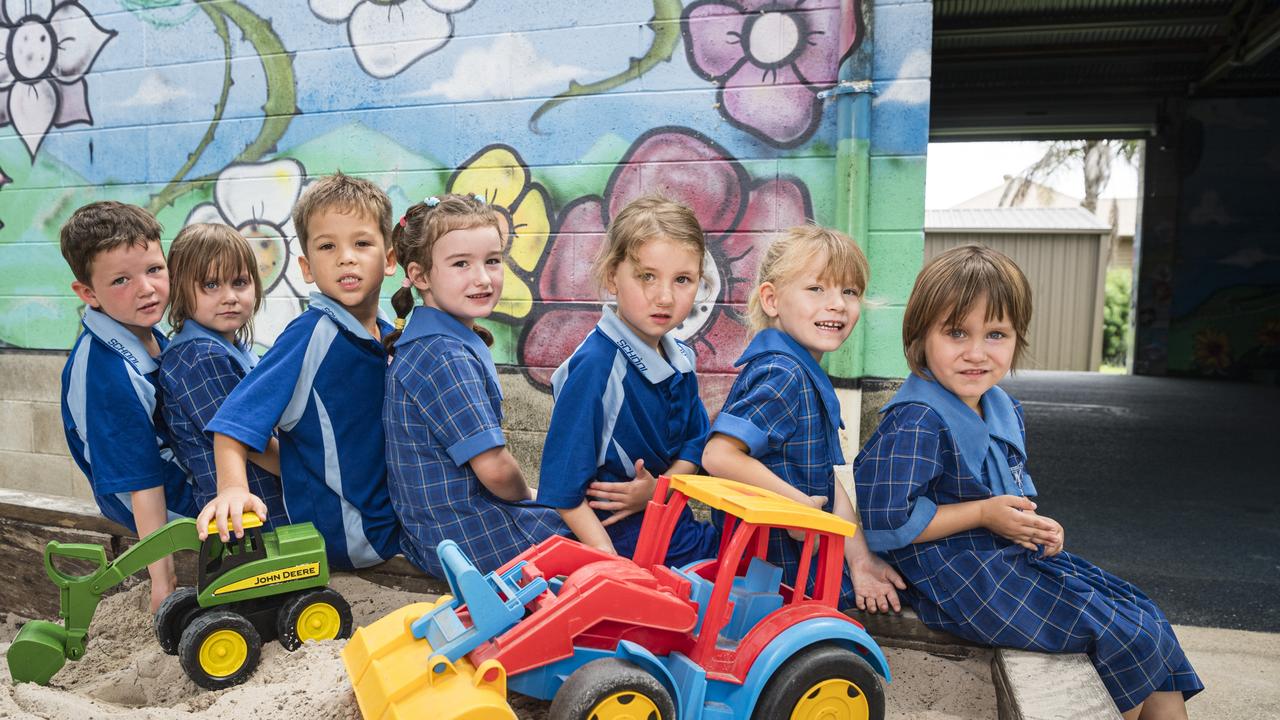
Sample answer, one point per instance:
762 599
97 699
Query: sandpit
124 674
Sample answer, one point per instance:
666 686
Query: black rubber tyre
173 615
219 649
601 684
319 614
825 669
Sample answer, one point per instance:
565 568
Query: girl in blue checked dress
216 291
944 493
626 401
449 472
779 425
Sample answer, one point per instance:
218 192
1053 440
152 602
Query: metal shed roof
1093 67
1062 221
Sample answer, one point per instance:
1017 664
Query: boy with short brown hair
109 414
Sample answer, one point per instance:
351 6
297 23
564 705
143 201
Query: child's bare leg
1133 713
1168 705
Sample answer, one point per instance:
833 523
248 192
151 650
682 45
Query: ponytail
402 302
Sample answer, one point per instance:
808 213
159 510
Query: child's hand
817 501
623 498
1051 540
1014 518
229 504
875 584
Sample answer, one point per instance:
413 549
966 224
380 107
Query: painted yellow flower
500 175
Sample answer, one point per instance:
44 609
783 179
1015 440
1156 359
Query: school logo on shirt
120 348
631 354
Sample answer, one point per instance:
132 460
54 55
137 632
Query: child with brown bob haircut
321 386
113 427
945 495
216 291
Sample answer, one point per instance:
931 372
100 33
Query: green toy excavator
264 585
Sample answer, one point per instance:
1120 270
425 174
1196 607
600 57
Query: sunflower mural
498 174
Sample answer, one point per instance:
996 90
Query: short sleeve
762 407
891 476
201 382
456 405
697 428
254 408
120 432
571 453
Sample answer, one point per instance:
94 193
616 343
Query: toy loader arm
175 536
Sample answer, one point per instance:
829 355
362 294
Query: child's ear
417 276
768 299
85 293
305 267
390 269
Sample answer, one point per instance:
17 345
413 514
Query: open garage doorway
1067 211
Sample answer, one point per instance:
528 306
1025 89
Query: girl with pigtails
450 474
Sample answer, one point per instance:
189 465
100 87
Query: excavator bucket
38 652
397 676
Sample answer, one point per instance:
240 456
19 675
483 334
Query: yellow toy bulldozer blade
398 677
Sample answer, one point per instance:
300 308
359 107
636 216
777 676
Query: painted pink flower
738 213
770 59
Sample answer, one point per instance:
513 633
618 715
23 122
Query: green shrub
1115 317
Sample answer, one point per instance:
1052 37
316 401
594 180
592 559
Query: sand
124 674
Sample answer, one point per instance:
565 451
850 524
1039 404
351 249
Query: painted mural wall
1209 283
559 112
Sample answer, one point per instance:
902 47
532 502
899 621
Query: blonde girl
779 425
626 401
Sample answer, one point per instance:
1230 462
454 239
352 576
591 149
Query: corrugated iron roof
1051 59
1019 220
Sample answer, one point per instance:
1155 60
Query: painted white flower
257 200
47 49
390 35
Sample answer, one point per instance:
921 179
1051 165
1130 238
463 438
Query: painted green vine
278 111
666 37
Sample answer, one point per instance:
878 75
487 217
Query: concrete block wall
558 111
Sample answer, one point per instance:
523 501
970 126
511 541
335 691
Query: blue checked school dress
980 586
198 370
783 407
443 408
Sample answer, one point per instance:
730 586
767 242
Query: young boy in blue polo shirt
109 412
321 385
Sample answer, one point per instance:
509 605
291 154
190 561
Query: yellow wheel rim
834 699
626 705
223 653
318 621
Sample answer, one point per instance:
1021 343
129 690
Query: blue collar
771 340
117 337
343 317
974 435
192 330
427 321
647 360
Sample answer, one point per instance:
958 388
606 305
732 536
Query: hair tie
404 220
431 201
399 323
480 199
406 283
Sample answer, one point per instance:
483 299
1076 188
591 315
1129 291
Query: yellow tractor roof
248 520
759 506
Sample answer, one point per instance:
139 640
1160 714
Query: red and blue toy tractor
607 637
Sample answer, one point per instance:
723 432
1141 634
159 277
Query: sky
958 171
